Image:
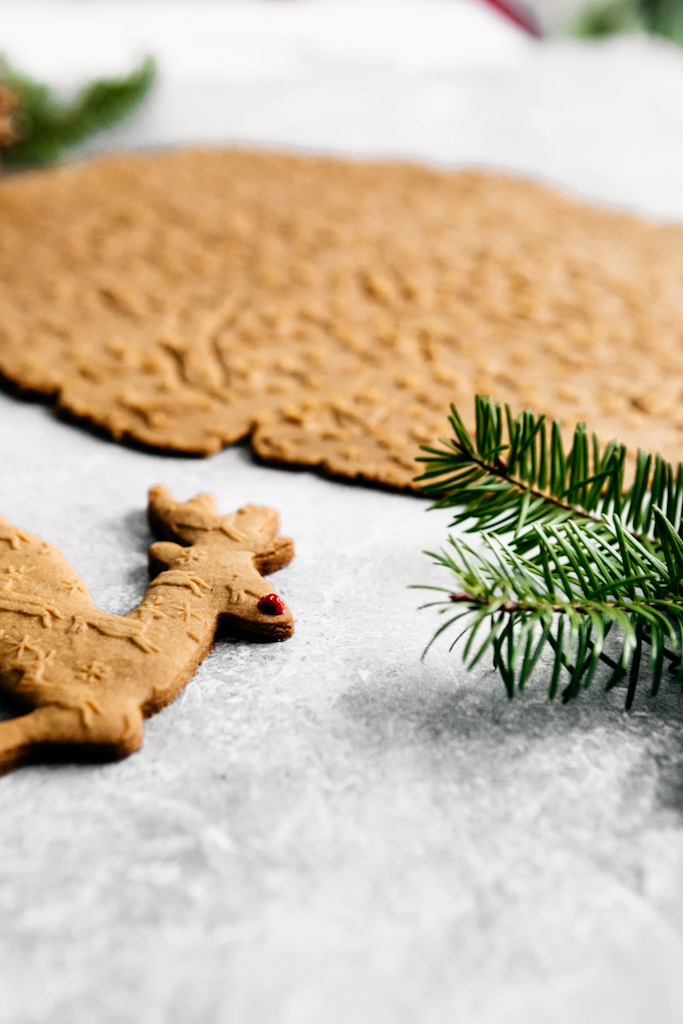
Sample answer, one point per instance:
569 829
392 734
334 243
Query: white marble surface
330 829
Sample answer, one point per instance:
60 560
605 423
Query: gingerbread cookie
91 678
331 310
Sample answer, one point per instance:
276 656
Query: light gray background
330 830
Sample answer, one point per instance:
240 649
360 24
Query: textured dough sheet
330 310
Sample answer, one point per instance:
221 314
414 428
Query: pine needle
570 555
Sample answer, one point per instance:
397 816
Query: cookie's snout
275 616
255 611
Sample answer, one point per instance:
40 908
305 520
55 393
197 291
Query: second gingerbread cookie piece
88 679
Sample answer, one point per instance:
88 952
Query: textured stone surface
329 829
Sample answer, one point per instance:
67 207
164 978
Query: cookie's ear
276 555
181 521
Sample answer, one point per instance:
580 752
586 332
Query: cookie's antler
252 528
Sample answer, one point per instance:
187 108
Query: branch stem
499 469
583 607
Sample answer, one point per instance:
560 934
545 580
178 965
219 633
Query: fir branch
515 474
610 17
570 555
45 127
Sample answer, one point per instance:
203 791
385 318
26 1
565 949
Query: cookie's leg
51 730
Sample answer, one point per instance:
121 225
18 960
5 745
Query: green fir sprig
610 17
46 126
572 561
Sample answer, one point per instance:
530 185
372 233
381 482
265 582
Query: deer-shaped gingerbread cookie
89 678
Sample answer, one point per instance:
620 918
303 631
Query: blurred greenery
46 126
610 17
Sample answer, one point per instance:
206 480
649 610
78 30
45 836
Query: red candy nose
271 604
